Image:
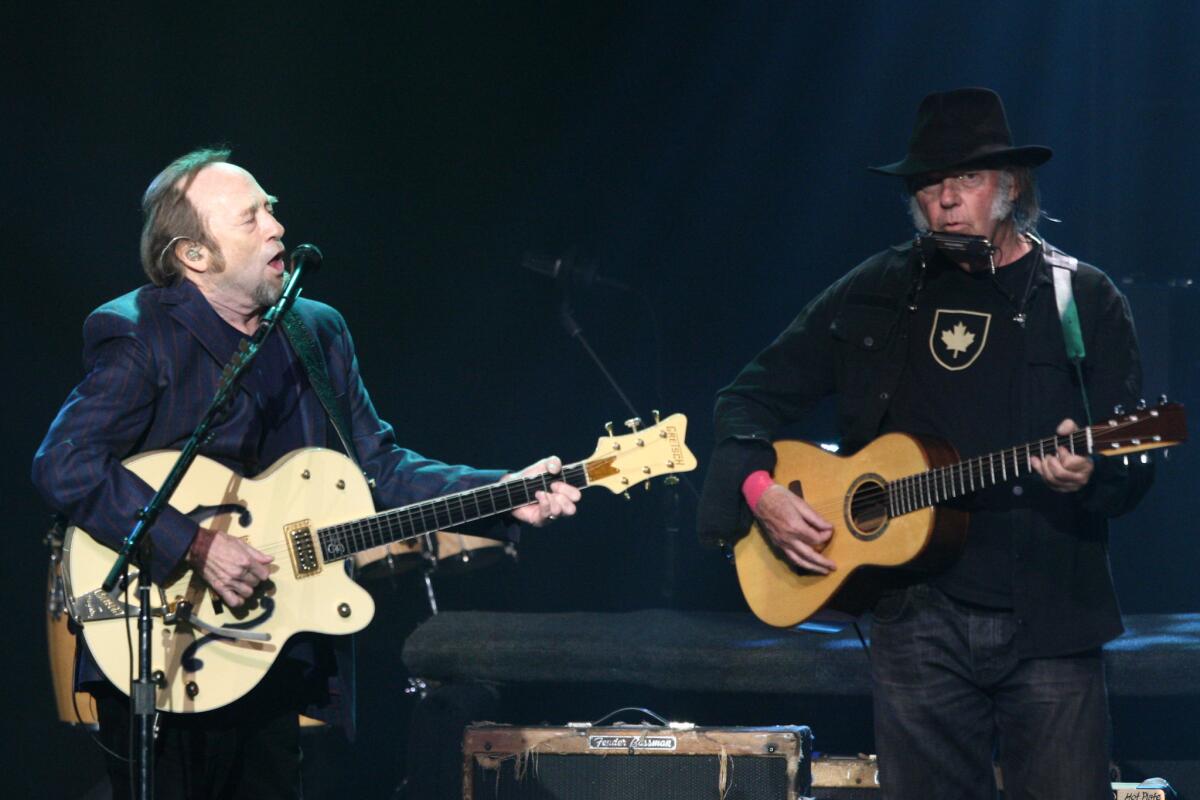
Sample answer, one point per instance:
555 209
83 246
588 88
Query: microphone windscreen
309 255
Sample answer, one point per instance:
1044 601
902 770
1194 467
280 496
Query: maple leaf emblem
958 339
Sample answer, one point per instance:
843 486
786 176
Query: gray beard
267 294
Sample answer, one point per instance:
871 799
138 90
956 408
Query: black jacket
852 341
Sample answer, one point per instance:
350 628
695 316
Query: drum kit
444 552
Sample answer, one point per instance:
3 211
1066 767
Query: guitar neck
937 485
347 538
1164 425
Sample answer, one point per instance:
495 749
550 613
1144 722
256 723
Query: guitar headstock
1163 425
621 462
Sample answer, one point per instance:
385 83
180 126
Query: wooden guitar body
882 502
841 489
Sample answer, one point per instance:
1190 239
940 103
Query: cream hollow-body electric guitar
312 510
882 502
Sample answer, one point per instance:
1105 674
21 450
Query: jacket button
868 341
1018 490
884 395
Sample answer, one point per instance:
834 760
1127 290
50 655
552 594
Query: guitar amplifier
635 762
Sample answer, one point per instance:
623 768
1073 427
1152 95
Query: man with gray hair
213 249
997 656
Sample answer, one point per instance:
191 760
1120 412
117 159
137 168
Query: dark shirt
278 383
961 384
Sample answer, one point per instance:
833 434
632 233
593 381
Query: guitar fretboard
347 538
937 485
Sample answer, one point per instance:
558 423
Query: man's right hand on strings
230 566
796 528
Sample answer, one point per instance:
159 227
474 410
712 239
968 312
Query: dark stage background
710 156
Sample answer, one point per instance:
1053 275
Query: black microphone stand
671 502
571 326
141 693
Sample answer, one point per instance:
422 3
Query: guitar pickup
302 548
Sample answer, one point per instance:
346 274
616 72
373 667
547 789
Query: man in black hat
997 656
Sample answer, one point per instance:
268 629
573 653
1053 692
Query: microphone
567 270
306 258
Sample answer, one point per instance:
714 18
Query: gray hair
168 216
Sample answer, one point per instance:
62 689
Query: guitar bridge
305 562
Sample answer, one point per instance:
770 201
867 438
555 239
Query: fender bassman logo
639 742
957 337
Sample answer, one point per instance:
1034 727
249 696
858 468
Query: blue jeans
951 695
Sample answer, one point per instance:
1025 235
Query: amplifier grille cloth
626 777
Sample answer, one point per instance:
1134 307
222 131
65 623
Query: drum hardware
429 564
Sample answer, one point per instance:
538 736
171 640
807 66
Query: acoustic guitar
883 504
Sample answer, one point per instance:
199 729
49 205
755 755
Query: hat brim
1033 155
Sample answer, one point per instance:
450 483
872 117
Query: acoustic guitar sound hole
866 509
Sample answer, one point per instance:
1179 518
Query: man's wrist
755 484
198 551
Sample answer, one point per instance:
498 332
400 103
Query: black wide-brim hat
961 128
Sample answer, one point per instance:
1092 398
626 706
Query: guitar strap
309 353
310 356
1063 268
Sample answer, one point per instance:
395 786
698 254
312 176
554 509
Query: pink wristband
755 484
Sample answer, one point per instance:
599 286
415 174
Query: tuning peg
1162 399
608 426
657 415
1119 409
633 424
626 495
646 486
670 480
1141 404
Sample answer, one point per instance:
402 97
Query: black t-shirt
961 384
